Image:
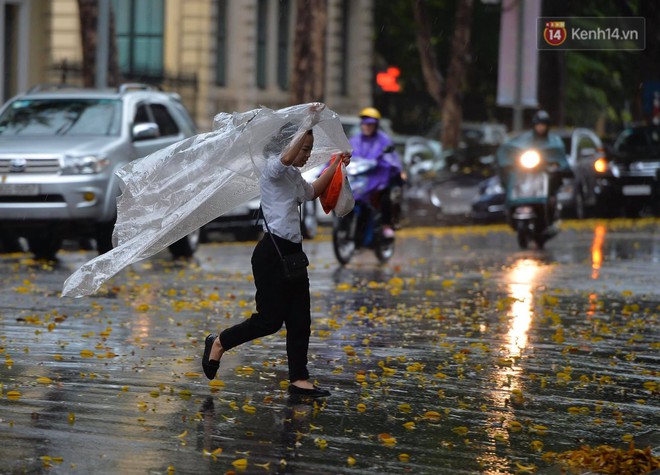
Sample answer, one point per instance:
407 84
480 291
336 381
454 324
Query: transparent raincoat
174 191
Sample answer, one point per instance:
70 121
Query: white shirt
282 190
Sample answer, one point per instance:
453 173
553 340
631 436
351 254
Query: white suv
59 150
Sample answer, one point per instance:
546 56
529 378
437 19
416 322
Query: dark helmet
541 117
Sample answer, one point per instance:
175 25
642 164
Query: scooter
532 215
362 228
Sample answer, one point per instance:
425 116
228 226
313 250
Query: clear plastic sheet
174 191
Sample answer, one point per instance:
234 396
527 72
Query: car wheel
45 247
186 246
309 225
9 242
580 211
104 237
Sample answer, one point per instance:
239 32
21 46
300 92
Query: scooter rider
541 134
372 143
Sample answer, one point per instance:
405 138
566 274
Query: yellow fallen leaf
409 425
350 461
217 451
387 439
192 374
461 430
240 464
249 409
86 353
13 394
361 407
182 434
265 466
526 468
404 457
44 380
405 407
432 416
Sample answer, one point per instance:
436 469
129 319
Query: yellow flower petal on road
13 395
538 429
182 434
405 407
192 374
44 380
216 383
432 416
350 461
536 445
86 353
249 409
387 439
526 468
240 464
361 407
461 430
404 457
409 425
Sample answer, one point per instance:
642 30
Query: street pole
517 99
103 44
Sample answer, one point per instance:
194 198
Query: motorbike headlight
530 159
87 164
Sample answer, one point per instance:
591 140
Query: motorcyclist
540 138
374 144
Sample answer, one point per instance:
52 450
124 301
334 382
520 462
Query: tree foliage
578 87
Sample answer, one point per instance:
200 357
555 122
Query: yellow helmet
371 112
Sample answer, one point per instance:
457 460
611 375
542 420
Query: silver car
59 150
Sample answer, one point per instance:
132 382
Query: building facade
220 55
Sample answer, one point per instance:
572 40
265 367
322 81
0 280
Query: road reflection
520 280
597 250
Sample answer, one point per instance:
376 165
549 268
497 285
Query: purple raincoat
373 148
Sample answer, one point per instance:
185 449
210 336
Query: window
262 19
221 45
59 117
283 45
139 29
142 115
631 142
166 124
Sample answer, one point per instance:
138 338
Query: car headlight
494 189
87 164
530 159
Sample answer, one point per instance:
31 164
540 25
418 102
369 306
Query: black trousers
278 301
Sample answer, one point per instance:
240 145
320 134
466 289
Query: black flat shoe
316 392
210 367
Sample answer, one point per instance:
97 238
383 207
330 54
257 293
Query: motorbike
531 178
362 228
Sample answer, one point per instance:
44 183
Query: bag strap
277 248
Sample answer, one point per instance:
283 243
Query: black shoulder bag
295 265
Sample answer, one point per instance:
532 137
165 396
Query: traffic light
387 80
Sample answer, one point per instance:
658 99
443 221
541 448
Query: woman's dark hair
279 142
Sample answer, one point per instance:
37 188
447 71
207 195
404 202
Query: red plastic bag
330 195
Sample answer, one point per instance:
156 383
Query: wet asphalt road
462 355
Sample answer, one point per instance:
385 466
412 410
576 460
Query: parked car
579 196
489 203
628 178
59 150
